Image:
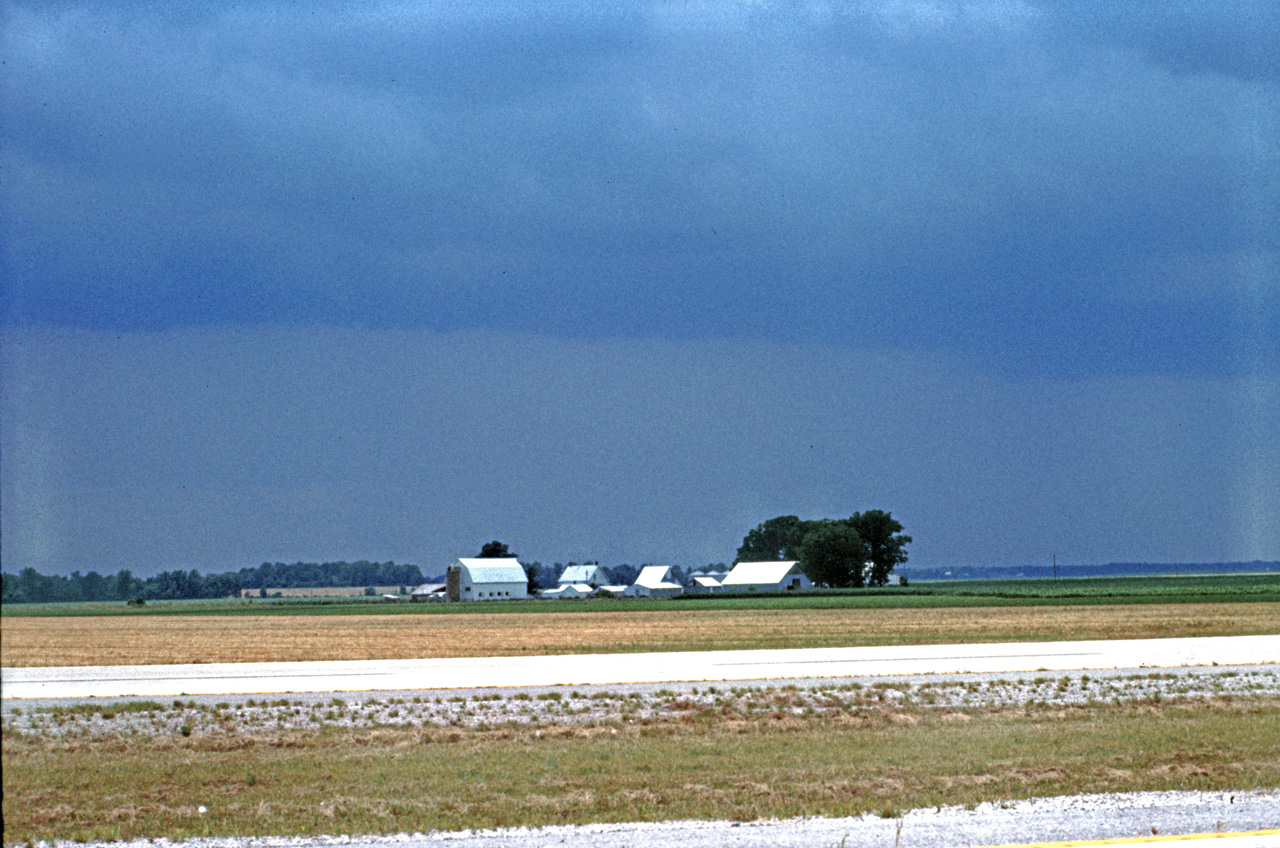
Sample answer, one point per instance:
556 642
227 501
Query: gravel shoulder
595 704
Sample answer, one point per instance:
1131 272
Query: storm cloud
842 220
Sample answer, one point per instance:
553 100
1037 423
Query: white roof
494 569
709 582
655 577
754 573
566 588
428 588
580 574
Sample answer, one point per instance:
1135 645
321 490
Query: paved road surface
505 672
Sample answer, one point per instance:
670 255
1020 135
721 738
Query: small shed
784 576
427 592
568 592
702 585
486 579
654 581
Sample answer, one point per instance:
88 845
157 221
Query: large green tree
883 546
494 550
885 543
833 554
776 539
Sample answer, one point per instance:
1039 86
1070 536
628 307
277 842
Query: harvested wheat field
122 640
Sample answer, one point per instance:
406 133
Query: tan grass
148 639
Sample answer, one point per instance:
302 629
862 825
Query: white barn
654 581
486 579
590 573
782 576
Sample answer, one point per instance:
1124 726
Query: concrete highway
608 669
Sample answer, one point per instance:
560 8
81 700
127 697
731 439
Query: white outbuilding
568 592
427 592
701 584
784 576
590 574
654 582
486 579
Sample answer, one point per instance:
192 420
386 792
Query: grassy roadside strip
698 764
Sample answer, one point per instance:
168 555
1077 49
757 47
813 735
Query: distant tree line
861 550
29 586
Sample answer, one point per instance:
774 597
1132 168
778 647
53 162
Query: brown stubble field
147 639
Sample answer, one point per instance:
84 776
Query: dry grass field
146 639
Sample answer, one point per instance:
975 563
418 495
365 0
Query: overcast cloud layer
596 277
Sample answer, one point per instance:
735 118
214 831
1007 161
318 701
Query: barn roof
655 577
756 573
494 569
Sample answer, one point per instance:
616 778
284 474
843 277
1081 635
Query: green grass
705 766
958 593
107 711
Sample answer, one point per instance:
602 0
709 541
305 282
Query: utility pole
1055 566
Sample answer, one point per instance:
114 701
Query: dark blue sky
388 280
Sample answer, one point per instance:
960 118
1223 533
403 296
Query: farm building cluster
497 579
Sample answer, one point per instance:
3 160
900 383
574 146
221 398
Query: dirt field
119 640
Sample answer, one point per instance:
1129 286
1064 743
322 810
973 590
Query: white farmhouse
654 582
486 579
590 574
782 576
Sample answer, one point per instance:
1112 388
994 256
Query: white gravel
561 705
